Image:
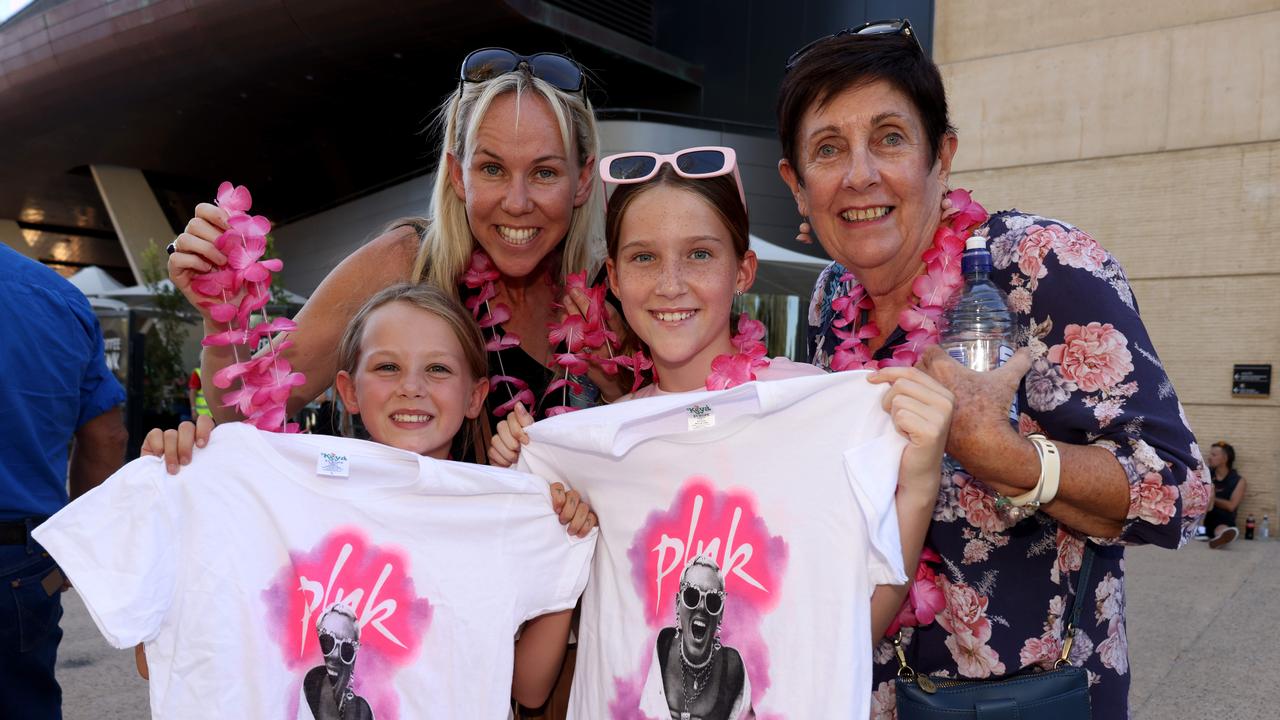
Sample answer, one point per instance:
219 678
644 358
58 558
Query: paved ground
1204 640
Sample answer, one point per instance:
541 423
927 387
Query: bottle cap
977 242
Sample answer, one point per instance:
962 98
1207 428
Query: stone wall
1154 125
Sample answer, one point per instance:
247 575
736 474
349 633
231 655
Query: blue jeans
29 634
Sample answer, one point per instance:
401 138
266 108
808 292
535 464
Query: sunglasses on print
346 649
697 163
488 63
900 26
691 597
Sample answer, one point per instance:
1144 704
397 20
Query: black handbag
1058 694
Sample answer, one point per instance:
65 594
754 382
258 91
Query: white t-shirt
779 368
786 490
240 572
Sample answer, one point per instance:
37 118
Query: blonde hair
436 301
447 243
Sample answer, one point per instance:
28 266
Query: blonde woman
515 181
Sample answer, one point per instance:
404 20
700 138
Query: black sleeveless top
1222 489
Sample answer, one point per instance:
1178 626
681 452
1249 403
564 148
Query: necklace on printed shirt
701 675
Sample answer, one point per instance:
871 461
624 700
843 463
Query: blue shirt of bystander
49 332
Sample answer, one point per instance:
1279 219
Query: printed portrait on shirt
328 691
709 571
349 619
701 677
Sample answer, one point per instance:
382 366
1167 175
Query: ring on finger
171 248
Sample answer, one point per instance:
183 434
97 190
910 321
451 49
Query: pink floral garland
732 370
922 320
579 335
235 291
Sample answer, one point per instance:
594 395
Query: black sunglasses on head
557 70
901 26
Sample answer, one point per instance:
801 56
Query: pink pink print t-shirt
742 534
290 577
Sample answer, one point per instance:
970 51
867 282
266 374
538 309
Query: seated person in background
1228 491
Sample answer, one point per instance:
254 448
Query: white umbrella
102 303
783 271
93 280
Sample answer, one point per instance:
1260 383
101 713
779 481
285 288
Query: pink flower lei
579 336
933 289
732 370
235 291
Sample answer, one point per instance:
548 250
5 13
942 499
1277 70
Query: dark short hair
1230 452
849 61
720 192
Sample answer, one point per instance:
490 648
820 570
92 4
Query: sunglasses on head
876 27
345 648
696 163
488 63
691 597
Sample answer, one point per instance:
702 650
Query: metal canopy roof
309 102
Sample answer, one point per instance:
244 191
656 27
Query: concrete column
11 235
135 213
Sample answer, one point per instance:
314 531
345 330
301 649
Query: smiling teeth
518 236
867 214
402 417
675 316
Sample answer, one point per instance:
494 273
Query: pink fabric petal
515 382
524 396
500 343
234 198
576 281
480 271
571 332
562 382
572 362
223 312
497 315
730 371
474 303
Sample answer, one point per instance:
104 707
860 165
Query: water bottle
1266 527
977 325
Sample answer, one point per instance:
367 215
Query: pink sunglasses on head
696 163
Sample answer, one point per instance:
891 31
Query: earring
737 293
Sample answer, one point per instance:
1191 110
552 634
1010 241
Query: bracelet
1046 488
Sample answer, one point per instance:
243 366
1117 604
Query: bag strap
1082 584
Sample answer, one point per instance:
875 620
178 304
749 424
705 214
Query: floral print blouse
1095 380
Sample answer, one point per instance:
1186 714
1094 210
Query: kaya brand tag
333 465
701 417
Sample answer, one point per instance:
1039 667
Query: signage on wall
1254 380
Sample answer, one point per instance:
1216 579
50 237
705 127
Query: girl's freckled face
676 273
